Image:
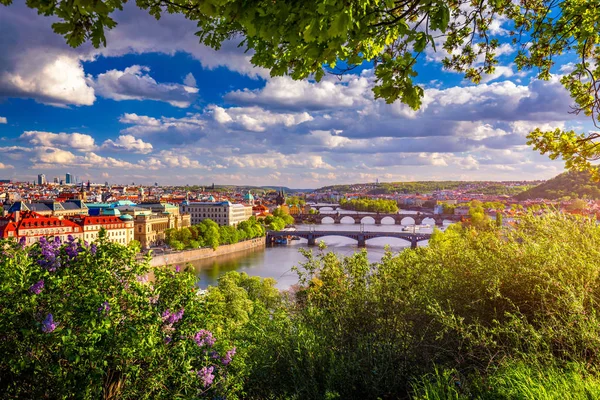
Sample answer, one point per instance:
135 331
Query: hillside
568 184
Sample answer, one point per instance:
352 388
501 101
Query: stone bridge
337 218
360 237
318 206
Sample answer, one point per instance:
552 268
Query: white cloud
134 83
5 166
75 141
3 120
128 143
255 118
190 80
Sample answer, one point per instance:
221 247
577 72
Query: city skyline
156 106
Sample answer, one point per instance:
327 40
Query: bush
79 321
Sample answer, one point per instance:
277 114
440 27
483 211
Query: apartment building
223 213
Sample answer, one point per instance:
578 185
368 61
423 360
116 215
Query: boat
280 240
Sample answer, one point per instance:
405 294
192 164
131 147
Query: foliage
370 205
499 190
295 200
80 321
514 380
209 234
568 185
278 220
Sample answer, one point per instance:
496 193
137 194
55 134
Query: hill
568 184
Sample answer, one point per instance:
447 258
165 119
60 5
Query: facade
41 179
461 211
149 229
118 229
69 179
181 220
33 226
223 213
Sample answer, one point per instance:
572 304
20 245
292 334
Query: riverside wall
185 256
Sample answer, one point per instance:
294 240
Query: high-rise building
69 179
41 179
56 179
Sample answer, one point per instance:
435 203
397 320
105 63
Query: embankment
186 256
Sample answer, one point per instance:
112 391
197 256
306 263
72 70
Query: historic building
51 208
223 213
118 229
33 226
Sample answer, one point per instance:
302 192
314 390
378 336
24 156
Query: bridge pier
311 240
413 242
362 242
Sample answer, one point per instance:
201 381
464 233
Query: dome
211 198
249 197
126 217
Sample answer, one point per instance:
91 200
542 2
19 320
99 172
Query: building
181 220
41 179
33 226
51 207
223 213
149 229
118 229
69 179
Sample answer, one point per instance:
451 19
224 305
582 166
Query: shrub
84 321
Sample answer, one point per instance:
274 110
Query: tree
310 39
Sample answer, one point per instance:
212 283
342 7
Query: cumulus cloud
128 143
48 157
134 83
3 120
5 166
76 141
255 118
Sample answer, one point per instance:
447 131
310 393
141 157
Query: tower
280 199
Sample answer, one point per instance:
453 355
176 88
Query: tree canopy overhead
311 38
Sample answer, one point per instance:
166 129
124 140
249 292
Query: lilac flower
104 308
170 318
22 242
142 279
86 243
168 340
49 325
50 252
70 238
204 337
206 375
37 287
72 249
93 248
154 299
228 356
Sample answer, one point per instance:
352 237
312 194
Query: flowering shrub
89 321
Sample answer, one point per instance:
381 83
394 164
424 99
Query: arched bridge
318 206
360 237
337 218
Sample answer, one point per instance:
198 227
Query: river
277 261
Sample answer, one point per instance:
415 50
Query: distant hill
571 184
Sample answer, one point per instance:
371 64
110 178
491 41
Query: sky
157 106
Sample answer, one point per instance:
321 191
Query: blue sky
156 106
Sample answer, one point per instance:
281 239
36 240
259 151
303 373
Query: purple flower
206 375
168 340
204 337
37 287
50 254
228 356
104 308
70 238
177 268
22 242
154 299
93 248
170 318
49 325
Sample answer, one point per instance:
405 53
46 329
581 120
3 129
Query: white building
223 213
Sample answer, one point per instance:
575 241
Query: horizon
155 106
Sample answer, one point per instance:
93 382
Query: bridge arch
368 220
347 219
392 241
408 221
429 221
327 220
326 208
388 221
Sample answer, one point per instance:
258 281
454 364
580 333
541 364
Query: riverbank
186 256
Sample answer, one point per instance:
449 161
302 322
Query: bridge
360 237
318 206
358 217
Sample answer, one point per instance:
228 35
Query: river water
277 261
